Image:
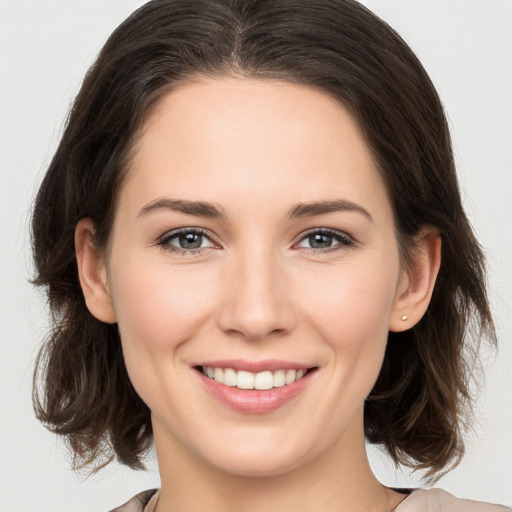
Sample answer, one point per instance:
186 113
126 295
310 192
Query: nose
256 297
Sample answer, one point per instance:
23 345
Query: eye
186 240
325 239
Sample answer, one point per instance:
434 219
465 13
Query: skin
256 290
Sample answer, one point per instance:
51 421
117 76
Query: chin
259 466
264 459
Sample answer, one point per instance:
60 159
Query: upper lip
256 366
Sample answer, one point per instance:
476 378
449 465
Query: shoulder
138 503
437 500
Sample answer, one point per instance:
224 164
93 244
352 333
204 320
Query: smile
247 380
254 387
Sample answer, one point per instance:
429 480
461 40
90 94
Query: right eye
186 240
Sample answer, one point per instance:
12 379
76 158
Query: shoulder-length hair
421 399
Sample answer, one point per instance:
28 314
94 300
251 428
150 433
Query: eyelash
165 241
343 240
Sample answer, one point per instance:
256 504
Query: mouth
261 381
254 388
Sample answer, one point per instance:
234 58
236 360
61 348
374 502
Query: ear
92 273
417 281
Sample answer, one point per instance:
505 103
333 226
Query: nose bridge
257 302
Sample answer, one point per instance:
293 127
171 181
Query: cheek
354 302
158 309
352 315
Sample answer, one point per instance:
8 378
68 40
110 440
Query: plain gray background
45 49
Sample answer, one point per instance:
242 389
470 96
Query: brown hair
421 397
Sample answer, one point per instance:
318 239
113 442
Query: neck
338 480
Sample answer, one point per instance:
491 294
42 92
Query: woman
256 256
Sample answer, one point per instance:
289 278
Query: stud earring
404 317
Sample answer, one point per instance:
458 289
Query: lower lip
252 401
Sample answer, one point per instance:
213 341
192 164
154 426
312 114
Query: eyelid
164 240
345 240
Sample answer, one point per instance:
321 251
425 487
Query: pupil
190 241
319 241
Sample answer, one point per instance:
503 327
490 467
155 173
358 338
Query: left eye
319 240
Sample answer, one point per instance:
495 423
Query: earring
404 317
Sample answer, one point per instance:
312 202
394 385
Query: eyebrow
197 208
322 207
210 210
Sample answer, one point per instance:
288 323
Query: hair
419 405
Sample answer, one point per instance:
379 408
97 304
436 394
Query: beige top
150 507
437 500
432 500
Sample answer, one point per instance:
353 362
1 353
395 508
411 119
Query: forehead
213 139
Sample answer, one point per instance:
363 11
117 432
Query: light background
45 49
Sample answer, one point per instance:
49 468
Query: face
253 247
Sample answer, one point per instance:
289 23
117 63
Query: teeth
218 374
230 377
279 378
264 380
290 376
248 380
244 380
